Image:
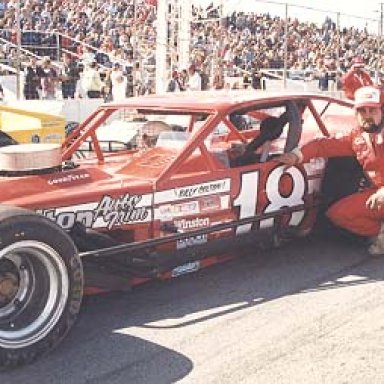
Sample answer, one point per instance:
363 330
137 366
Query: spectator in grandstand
247 81
121 31
118 82
1 93
256 82
32 80
48 80
324 79
194 79
69 76
183 76
88 56
174 84
91 81
355 78
218 78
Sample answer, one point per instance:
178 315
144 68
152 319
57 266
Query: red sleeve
367 80
328 147
349 85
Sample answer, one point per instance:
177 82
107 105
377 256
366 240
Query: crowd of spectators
106 33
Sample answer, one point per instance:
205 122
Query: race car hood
74 185
86 179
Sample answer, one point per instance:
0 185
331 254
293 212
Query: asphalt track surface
309 312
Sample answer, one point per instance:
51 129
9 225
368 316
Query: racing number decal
249 192
277 201
247 199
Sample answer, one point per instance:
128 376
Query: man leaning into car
361 213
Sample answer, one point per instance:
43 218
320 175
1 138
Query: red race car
175 185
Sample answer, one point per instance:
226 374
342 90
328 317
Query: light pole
285 48
18 51
379 35
379 39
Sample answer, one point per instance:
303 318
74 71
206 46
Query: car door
277 197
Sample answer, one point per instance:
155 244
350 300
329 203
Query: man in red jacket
361 213
355 78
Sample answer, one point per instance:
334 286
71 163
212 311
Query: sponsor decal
193 191
108 213
191 241
190 224
186 268
123 210
201 190
210 203
169 211
198 222
72 177
53 138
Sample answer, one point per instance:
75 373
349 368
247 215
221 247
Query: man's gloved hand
376 200
288 158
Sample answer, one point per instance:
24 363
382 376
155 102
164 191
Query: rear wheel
41 284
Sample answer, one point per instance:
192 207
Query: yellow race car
26 126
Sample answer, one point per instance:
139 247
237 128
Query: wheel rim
34 288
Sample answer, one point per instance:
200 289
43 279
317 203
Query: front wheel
41 286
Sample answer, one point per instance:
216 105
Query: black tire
41 286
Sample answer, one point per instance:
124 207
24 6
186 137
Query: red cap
368 97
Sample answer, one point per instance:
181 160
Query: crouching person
362 212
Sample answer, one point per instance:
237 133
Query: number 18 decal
249 193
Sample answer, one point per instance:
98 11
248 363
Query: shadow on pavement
96 351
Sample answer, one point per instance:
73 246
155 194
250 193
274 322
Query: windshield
172 139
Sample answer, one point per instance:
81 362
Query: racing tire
41 286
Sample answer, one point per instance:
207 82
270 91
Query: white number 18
249 192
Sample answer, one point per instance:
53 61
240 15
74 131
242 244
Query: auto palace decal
249 193
108 213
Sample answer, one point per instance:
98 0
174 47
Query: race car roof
212 100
